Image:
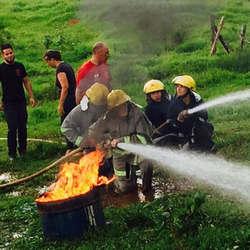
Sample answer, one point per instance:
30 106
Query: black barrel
71 218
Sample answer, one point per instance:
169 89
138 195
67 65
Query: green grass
33 26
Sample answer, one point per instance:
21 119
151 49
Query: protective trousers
125 167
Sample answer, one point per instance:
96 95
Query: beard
10 61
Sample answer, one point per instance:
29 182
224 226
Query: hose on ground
40 172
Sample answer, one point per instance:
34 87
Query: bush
4 33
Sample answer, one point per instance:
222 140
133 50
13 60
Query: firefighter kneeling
124 122
195 128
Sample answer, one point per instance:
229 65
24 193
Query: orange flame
77 179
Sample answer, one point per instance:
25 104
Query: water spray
209 169
229 98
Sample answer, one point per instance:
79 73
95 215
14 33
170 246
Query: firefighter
124 122
157 103
195 128
91 107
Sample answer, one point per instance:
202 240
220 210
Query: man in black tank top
13 77
65 83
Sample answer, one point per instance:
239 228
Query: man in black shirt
66 84
13 77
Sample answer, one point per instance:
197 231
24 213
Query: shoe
124 186
11 159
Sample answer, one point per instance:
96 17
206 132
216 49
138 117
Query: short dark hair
6 46
52 54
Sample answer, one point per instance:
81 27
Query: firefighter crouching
157 103
124 122
91 107
195 128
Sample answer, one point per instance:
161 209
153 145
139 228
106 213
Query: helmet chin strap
183 96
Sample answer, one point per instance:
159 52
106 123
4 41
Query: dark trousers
16 117
68 106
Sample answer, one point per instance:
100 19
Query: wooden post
213 30
217 36
243 35
223 42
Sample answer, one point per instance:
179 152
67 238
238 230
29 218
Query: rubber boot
147 175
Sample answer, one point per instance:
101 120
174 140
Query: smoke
136 29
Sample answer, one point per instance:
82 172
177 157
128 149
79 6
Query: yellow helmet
186 81
116 97
152 86
97 94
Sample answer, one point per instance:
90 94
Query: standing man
65 83
13 77
94 70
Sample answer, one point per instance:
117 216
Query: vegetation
194 220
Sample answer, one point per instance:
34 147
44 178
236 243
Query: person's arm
70 127
1 106
1 103
79 95
28 87
62 78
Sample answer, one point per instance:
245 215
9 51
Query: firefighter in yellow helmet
195 128
124 122
91 107
157 103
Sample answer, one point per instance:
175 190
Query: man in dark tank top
65 83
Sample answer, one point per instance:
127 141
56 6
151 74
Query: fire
77 179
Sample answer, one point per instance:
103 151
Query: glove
88 143
182 115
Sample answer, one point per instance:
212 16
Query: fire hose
55 163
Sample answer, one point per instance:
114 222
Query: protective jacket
110 127
195 128
78 121
177 105
157 111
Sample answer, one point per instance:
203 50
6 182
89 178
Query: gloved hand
182 115
114 143
104 145
88 143
107 144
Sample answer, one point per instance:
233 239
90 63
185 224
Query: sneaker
11 159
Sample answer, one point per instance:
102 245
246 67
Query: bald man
94 70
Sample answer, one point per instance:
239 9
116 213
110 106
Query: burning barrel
70 218
72 204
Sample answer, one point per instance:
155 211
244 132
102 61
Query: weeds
158 50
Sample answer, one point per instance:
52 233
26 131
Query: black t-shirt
67 69
11 77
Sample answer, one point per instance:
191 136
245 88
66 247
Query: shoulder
86 65
19 64
136 110
197 97
103 66
62 67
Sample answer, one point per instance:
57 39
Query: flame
77 179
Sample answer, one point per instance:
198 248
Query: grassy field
159 39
